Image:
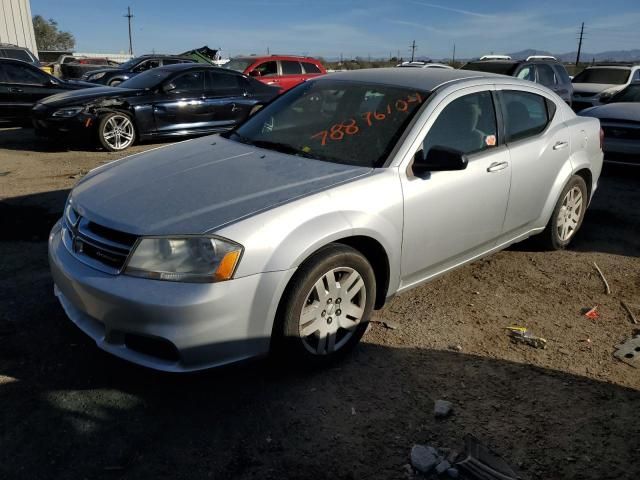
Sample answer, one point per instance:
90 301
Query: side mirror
438 159
168 87
255 73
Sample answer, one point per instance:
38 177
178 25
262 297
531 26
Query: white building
16 25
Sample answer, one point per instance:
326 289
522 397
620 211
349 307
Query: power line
129 16
580 44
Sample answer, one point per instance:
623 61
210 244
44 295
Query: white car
424 65
596 85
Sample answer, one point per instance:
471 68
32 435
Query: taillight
601 139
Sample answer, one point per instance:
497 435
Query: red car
284 71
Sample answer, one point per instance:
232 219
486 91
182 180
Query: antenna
129 16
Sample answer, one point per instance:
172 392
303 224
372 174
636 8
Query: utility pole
268 53
580 44
129 16
413 49
453 59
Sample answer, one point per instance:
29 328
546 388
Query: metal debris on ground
592 313
522 335
629 351
483 464
606 284
628 309
442 408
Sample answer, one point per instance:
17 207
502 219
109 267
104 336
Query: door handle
560 145
15 90
497 166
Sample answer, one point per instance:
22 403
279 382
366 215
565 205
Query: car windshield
19 55
149 79
629 94
491 67
238 64
129 64
612 76
346 122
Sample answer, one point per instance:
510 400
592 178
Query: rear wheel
116 131
568 214
326 309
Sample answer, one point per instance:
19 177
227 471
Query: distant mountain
611 56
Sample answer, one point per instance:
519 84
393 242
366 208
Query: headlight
185 259
67 112
605 96
96 76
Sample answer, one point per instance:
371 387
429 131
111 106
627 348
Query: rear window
310 67
491 67
561 73
290 67
18 55
613 76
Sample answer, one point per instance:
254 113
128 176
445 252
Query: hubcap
118 132
333 309
569 215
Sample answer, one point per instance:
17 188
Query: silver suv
287 232
540 69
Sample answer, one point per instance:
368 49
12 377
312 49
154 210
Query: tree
48 37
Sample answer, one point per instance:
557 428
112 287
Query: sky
329 28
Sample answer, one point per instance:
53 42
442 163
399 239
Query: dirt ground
69 410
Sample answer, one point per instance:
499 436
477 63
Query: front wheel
327 306
568 214
116 131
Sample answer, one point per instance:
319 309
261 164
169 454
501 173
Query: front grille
96 245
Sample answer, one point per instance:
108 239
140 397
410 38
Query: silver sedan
284 234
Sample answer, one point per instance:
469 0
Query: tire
333 323
116 131
567 215
114 83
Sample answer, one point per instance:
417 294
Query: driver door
180 105
454 216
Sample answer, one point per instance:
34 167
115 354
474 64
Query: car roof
426 79
179 67
274 57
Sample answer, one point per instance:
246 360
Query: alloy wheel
570 214
118 132
334 307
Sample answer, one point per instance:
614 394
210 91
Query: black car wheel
116 131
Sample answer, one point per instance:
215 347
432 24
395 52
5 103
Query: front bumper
45 124
167 326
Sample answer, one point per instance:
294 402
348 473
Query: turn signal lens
227 266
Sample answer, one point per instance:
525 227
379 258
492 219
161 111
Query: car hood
593 87
615 111
78 84
199 185
87 94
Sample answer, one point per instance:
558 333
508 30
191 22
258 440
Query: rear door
180 105
21 86
267 72
292 74
538 143
227 97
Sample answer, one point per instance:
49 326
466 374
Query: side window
561 74
18 54
312 68
526 114
170 61
527 73
636 76
467 124
224 83
267 69
23 74
290 67
188 82
546 75
147 65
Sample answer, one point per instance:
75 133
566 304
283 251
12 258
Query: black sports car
177 100
129 69
22 85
